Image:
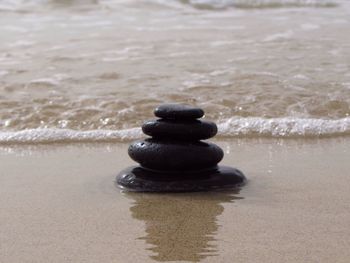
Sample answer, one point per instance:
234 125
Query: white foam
66 135
31 5
279 36
308 27
218 4
232 127
45 81
284 127
3 73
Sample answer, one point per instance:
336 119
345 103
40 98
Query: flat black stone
181 130
178 111
175 155
138 179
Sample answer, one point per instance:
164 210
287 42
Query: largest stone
136 178
174 155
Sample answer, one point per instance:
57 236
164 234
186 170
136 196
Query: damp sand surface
58 203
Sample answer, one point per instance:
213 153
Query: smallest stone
178 112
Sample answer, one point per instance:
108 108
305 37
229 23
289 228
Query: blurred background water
95 69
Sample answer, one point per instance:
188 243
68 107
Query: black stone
139 179
175 159
181 130
175 155
178 111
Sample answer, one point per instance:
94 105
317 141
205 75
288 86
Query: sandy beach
59 203
78 78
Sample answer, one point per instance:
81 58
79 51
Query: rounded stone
138 179
175 155
181 130
178 111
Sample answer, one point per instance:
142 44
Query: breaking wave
223 4
31 5
66 135
284 127
233 127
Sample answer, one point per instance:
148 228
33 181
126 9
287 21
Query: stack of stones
175 144
175 158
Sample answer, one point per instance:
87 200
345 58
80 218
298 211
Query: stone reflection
181 227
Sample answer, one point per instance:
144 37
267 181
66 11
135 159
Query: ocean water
94 70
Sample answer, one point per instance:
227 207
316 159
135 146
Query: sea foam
284 127
67 135
222 4
229 128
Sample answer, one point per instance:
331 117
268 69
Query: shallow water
94 70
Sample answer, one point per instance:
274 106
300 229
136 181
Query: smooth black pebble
181 130
174 155
178 111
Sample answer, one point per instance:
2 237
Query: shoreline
231 128
59 204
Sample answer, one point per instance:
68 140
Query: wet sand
58 203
